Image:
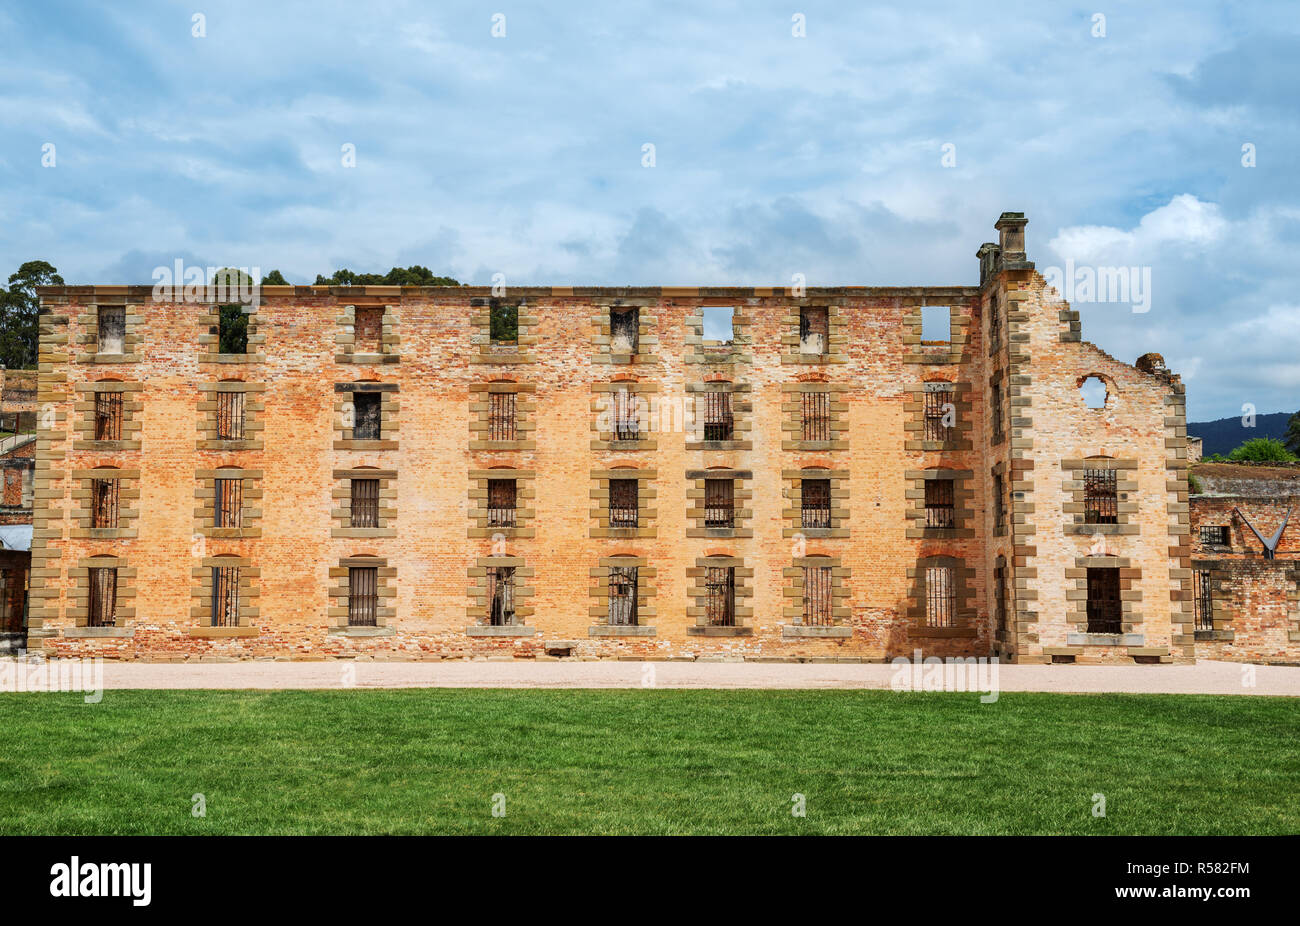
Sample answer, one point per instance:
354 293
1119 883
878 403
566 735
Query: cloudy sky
774 154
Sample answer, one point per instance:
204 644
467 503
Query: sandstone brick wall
432 553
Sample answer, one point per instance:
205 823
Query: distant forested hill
1226 434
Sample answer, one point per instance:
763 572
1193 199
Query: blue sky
773 154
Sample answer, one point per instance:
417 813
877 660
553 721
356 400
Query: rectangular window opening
1214 535
363 596
368 330
940 508
939 412
1204 597
232 330
502 501
816 416
1100 498
624 330
818 596
103 597
504 324
719 503
501 416
940 596
623 596
225 596
229 503
1104 610
936 324
815 503
999 504
814 330
367 410
108 416
719 325
111 329
719 424
501 595
103 503
364 510
627 415
230 416
720 590
623 501
1000 591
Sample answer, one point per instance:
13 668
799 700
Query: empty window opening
995 324
815 503
229 503
502 500
364 510
225 596
718 421
940 412
719 503
1100 498
814 330
1214 535
940 509
999 503
1093 391
108 416
103 597
627 415
818 597
624 330
103 503
940 596
720 595
719 325
111 329
504 324
363 596
816 416
368 330
936 324
12 582
995 401
1105 613
501 595
501 416
1000 593
232 330
366 407
623 596
623 497
1204 596
230 416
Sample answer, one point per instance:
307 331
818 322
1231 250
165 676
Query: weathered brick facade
608 486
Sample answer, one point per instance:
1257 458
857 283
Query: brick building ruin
849 473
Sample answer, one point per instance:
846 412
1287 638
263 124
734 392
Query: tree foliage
414 275
1292 437
19 307
1262 450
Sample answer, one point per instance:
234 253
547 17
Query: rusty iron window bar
1105 612
108 416
502 502
937 403
719 503
103 503
501 595
1000 591
627 415
1100 498
229 497
230 415
999 503
364 510
367 411
720 589
940 508
940 596
1204 595
103 597
996 402
815 503
718 420
1214 535
225 596
363 596
623 596
818 596
816 415
501 416
624 496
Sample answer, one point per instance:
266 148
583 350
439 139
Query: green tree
414 275
19 308
1262 450
1292 437
274 278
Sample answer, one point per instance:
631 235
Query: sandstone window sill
1105 639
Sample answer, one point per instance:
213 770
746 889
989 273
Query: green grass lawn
646 761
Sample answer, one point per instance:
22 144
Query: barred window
111 329
995 403
1000 592
108 416
623 498
623 596
103 503
363 596
720 595
501 595
627 415
940 596
103 597
624 329
815 503
718 420
225 596
1204 597
229 499
940 509
818 596
364 510
995 325
1100 498
999 503
230 415
366 407
501 416
719 503
1214 535
1105 612
502 500
938 402
815 415
814 330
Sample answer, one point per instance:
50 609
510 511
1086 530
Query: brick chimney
1011 231
988 258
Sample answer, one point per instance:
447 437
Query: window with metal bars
623 502
111 329
1105 612
502 500
814 330
718 421
108 416
940 596
818 596
1214 535
363 596
1000 593
230 416
719 503
364 509
103 503
368 416
225 596
995 403
995 325
1100 498
103 596
999 503
229 499
623 596
624 330
937 404
502 416
720 595
816 415
940 509
1204 597
501 595
627 415
815 503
